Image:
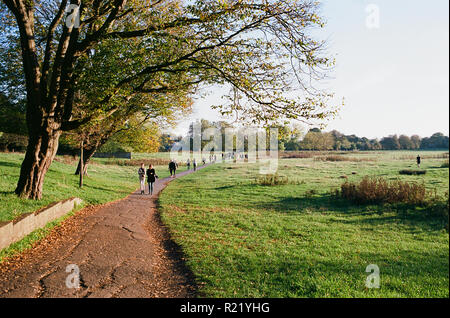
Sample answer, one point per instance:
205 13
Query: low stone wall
26 223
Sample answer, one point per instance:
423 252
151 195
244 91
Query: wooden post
81 164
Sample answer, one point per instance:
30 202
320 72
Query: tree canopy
122 50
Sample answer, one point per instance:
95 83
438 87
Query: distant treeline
334 140
293 138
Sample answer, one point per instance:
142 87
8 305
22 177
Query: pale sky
395 78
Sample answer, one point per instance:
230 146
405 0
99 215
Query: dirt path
121 249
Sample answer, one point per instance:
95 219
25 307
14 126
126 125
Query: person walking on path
172 168
141 173
194 164
188 164
151 178
418 161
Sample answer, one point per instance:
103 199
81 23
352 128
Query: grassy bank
243 239
103 184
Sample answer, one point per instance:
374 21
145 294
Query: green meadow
243 239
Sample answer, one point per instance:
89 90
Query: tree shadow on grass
412 267
410 216
398 271
225 187
307 203
437 167
102 188
405 263
9 164
6 192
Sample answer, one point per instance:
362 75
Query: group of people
212 158
234 156
173 166
194 164
151 178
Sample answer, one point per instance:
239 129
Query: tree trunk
40 153
82 164
87 155
95 143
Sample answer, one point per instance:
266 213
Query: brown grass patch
337 158
272 180
299 154
275 179
378 190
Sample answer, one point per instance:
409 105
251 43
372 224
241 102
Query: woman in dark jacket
151 178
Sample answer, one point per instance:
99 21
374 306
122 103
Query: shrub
412 172
272 180
299 155
335 158
380 191
13 142
444 164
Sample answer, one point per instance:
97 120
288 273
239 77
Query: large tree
318 141
390 143
405 142
261 49
436 141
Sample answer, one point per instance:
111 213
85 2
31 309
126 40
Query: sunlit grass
242 239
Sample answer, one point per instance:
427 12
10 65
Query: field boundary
17 229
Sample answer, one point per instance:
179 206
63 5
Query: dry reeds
378 190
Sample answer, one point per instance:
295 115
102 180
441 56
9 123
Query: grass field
242 239
103 184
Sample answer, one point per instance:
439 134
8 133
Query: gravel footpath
121 248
